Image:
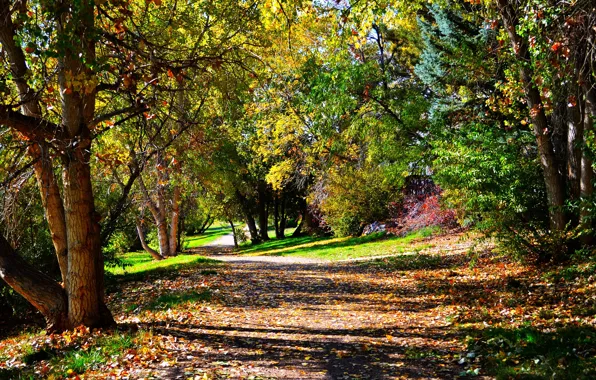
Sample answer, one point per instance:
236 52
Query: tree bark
83 295
575 138
587 172
250 220
175 221
283 218
252 228
159 215
40 290
85 287
262 210
53 206
276 216
39 152
144 244
234 233
555 191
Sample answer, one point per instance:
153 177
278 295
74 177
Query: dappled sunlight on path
308 321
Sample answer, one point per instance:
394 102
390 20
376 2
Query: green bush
354 198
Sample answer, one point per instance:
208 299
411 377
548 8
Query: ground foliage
457 309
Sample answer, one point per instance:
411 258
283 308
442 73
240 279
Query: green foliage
529 353
355 197
484 155
119 243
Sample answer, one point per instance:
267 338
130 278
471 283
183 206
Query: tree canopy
138 120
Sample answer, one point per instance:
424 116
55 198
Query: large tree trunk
85 285
82 302
175 221
40 290
144 244
555 191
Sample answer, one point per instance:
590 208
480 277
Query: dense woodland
130 123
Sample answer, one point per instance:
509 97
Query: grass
83 353
334 249
209 236
138 265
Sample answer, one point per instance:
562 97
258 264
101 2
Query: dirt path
306 321
226 241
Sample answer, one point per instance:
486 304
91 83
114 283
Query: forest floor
454 310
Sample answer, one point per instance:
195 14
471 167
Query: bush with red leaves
420 209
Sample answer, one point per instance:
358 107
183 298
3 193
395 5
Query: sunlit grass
329 248
209 236
140 264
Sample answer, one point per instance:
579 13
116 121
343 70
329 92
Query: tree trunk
587 172
181 228
575 138
276 217
283 218
250 220
53 206
163 237
207 224
40 290
307 225
554 183
44 171
255 238
262 210
144 244
175 221
234 233
159 215
85 287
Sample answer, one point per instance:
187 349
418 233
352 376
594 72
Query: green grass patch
528 353
170 300
71 360
209 236
139 265
333 249
103 349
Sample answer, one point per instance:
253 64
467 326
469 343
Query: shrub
352 198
